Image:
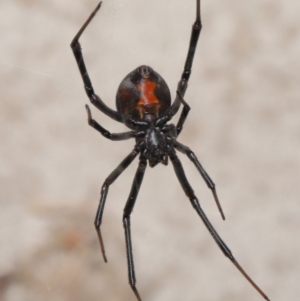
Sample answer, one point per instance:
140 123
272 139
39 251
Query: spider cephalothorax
144 105
156 146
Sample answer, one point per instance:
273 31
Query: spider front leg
195 203
104 190
196 29
183 83
95 99
126 220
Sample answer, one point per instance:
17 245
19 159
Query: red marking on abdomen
148 97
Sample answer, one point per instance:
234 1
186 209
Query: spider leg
184 114
104 190
211 185
168 115
195 203
183 83
95 99
126 221
196 29
112 136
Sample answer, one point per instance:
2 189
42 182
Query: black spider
144 105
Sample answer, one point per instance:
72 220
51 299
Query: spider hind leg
137 181
195 203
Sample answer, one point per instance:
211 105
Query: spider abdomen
143 91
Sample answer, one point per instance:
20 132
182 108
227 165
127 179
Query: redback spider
144 105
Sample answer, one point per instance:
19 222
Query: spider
143 103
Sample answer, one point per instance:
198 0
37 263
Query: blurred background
244 127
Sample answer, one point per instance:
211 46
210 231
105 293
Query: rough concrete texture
244 126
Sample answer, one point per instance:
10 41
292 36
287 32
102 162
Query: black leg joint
126 220
75 45
104 191
90 93
194 203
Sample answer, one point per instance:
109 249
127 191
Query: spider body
144 95
143 91
144 105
